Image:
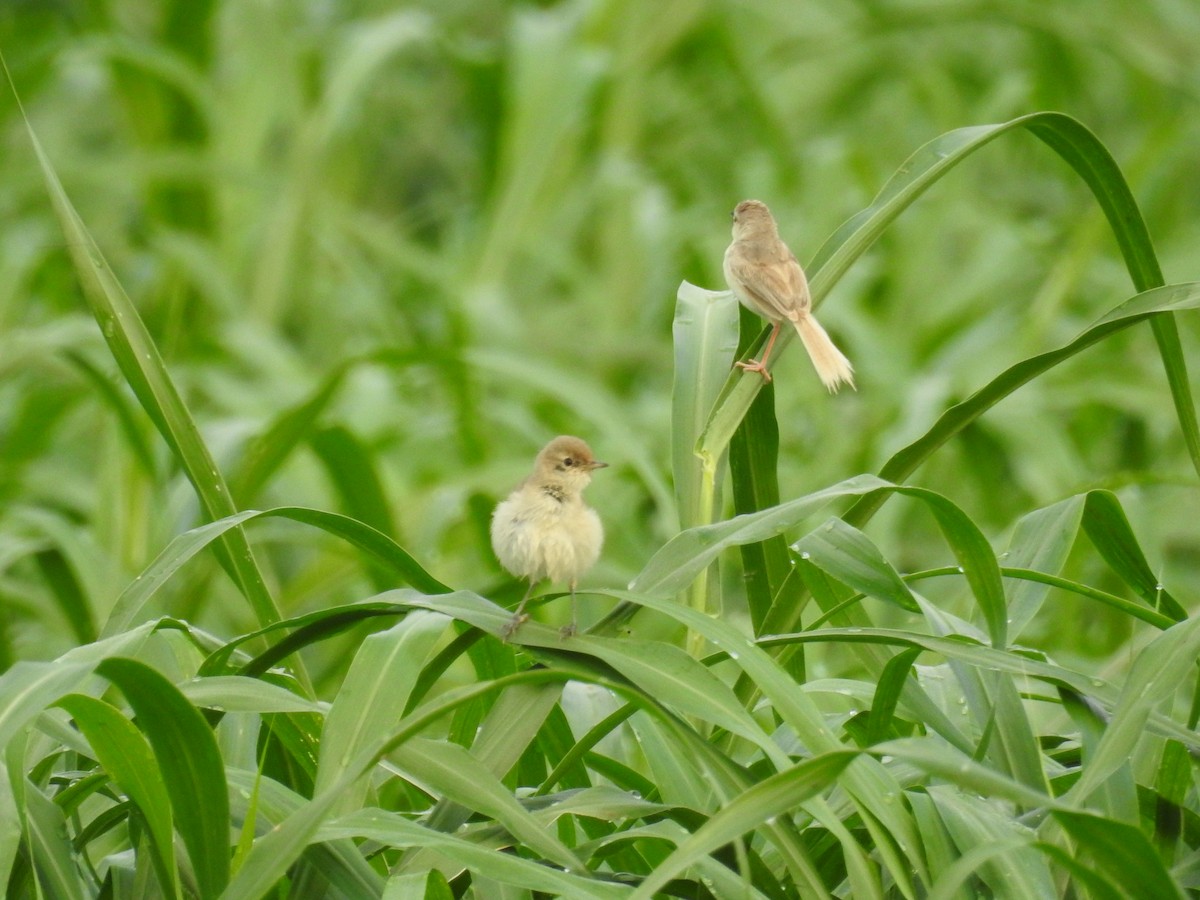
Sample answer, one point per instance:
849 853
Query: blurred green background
444 232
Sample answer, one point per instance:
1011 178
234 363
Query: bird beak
596 464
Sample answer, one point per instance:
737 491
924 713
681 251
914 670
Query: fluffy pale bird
767 280
543 529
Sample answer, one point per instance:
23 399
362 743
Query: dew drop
806 555
961 570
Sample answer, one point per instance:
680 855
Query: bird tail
831 365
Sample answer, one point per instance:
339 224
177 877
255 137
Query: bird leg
761 367
520 617
569 630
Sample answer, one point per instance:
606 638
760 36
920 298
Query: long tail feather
831 365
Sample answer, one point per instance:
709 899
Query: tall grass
930 640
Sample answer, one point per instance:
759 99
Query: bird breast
538 534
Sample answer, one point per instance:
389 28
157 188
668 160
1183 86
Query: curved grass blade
267 452
373 695
1109 530
984 657
146 374
125 754
1122 852
188 544
777 795
906 461
686 554
1090 160
53 859
191 764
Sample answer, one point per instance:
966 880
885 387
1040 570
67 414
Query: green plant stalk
698 595
705 337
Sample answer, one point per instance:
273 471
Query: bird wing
776 286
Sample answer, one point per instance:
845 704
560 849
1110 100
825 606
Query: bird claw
567 631
513 624
755 366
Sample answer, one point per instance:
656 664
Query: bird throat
555 492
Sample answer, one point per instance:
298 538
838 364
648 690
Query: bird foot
567 631
755 366
513 624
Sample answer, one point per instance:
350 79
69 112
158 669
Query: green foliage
307 285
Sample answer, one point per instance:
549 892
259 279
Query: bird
543 529
766 279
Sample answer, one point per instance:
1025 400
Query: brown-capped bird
543 529
766 278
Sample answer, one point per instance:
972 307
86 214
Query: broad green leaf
430 885
1154 677
340 862
451 771
688 553
849 556
232 693
1121 851
125 754
29 687
974 822
373 695
190 762
887 693
1109 531
394 830
50 847
705 333
276 851
1041 541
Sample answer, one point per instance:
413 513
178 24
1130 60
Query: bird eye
568 461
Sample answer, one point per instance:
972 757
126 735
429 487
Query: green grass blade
143 369
124 753
705 334
1109 530
1122 852
185 546
267 452
677 562
754 474
1080 149
1156 673
373 695
774 796
906 461
190 762
50 847
850 556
